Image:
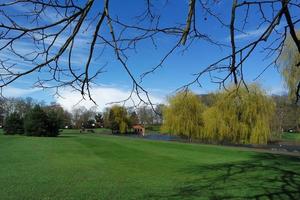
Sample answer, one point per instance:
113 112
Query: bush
39 123
13 124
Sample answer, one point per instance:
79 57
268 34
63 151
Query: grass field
93 166
291 136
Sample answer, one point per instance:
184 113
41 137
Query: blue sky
114 84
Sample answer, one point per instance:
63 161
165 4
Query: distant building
139 129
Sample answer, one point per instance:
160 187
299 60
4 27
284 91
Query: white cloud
103 95
18 92
279 89
253 33
248 34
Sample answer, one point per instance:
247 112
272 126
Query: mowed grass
291 136
94 166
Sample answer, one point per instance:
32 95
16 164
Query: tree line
17 113
246 115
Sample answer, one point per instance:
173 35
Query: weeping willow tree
183 115
289 62
118 119
239 116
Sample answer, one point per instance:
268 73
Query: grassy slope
86 167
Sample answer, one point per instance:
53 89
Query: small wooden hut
138 129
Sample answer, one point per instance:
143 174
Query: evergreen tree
53 123
35 123
40 123
99 120
13 124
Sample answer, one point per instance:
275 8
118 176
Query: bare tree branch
54 43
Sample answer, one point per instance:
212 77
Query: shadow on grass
66 136
265 176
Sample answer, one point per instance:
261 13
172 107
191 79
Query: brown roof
137 126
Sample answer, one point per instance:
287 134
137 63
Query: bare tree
53 41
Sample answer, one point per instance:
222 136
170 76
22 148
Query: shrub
13 124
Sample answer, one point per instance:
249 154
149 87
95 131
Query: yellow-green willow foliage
289 59
239 116
118 119
183 115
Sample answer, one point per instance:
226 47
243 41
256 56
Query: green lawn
153 129
95 130
91 166
291 136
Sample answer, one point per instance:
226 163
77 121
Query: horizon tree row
212 107
38 121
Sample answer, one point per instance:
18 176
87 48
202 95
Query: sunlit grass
95 166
